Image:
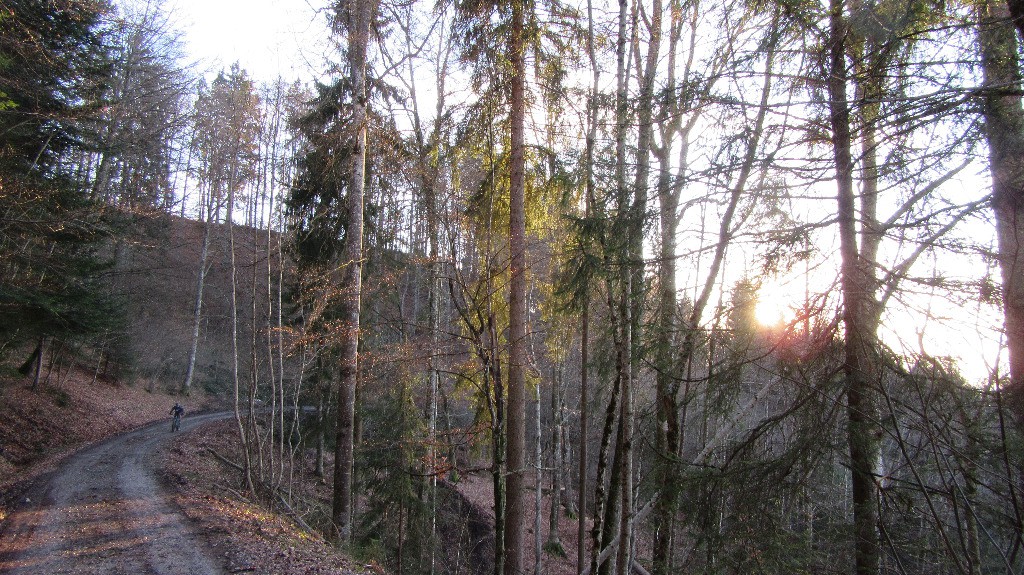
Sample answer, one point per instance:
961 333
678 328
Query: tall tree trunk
669 188
611 509
858 342
499 440
617 514
268 181
1004 132
625 467
605 497
515 528
568 497
600 497
430 184
357 16
321 421
617 292
186 386
538 489
634 284
432 363
667 432
554 542
672 366
583 483
254 432
243 430
667 418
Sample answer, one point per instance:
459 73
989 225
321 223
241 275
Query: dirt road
104 512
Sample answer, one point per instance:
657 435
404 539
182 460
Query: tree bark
583 483
357 17
538 489
610 519
858 341
554 541
243 430
429 167
672 366
630 208
1016 9
197 310
516 446
321 420
1004 132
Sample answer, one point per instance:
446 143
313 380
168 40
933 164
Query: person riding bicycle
177 411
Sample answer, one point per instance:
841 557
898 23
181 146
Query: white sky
266 37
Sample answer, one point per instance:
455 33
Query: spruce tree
52 60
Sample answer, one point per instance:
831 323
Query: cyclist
177 411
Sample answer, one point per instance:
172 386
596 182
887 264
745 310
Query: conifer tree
52 64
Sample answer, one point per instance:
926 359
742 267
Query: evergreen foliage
316 199
394 481
52 63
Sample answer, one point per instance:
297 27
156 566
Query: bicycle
177 412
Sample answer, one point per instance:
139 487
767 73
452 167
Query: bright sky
266 37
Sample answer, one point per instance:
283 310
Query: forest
727 287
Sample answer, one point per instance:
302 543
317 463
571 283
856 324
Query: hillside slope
38 427
155 276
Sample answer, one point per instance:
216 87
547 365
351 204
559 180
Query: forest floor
478 489
140 502
252 539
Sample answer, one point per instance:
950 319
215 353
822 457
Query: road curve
103 511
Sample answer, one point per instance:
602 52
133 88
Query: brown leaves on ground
39 427
251 538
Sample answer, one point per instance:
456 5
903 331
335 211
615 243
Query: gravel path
104 512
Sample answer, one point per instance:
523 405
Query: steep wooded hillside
155 275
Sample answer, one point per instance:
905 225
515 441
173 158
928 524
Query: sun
773 306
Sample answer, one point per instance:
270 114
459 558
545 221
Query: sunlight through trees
716 287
